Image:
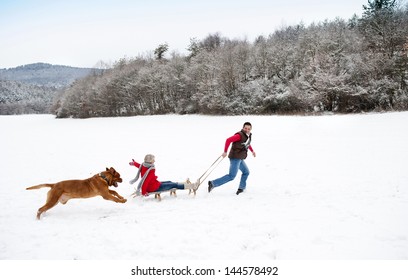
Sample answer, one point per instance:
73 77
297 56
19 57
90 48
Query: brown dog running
94 186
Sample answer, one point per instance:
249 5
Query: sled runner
157 194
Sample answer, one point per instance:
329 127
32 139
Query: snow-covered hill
45 74
31 88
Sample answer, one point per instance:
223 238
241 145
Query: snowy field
320 188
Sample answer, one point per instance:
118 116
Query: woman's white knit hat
149 158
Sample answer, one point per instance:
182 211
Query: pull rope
209 170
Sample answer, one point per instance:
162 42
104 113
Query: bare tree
161 50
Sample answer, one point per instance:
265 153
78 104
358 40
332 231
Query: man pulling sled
241 143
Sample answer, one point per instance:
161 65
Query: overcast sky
83 32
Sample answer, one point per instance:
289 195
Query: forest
31 88
339 66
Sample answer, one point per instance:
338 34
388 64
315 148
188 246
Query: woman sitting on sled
150 184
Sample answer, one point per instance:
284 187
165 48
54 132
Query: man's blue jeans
235 165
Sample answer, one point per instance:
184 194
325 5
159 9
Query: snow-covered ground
321 188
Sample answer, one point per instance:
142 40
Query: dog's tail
40 186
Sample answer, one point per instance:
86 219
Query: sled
200 180
157 194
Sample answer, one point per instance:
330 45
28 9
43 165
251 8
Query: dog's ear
112 171
107 169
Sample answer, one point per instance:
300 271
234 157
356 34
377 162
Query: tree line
343 66
22 98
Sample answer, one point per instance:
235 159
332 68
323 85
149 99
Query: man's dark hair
247 123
